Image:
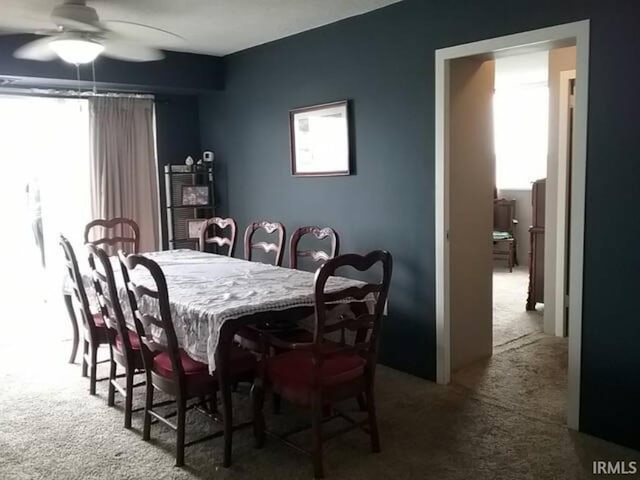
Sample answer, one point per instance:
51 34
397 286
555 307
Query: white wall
521 122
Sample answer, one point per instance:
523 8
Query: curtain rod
48 92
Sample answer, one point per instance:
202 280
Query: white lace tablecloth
206 290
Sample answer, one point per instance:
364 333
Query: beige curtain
123 164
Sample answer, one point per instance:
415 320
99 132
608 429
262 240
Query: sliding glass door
44 191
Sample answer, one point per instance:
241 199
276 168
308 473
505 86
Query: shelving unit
177 176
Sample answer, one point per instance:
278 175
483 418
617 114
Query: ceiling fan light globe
76 50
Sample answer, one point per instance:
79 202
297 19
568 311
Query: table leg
224 381
68 301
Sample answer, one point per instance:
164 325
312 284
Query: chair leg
316 432
373 420
227 419
85 352
111 396
148 405
213 403
257 404
511 258
74 326
277 403
182 407
94 369
128 399
362 402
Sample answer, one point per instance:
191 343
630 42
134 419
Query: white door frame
577 32
560 329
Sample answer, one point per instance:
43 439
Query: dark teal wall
178 135
384 63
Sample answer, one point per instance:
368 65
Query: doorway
451 304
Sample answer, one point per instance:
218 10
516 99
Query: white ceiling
214 27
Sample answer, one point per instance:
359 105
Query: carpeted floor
51 428
528 369
510 318
528 375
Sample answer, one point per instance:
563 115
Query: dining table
213 296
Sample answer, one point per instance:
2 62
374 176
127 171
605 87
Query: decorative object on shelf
195 195
188 161
193 227
200 163
319 137
207 156
179 179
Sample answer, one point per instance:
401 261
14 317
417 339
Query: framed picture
195 195
193 227
319 138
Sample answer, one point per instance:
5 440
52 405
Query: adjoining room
298 239
522 357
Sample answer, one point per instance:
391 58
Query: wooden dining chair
94 331
168 367
320 373
270 228
117 233
504 223
217 223
317 256
124 343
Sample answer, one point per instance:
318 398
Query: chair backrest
270 228
145 301
362 324
117 233
77 284
504 213
104 283
315 255
217 223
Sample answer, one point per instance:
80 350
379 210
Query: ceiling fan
80 37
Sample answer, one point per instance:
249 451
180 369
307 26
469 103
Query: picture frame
195 195
193 227
319 139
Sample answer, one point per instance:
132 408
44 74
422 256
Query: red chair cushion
294 369
162 365
134 340
241 361
98 320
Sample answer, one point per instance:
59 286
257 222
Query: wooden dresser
536 254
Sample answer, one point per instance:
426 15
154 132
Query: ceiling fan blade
36 50
145 33
28 31
130 52
14 31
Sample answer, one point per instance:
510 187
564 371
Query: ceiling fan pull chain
78 78
93 73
